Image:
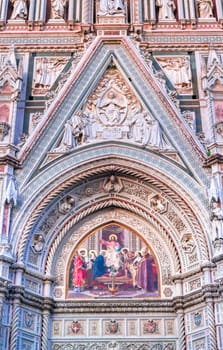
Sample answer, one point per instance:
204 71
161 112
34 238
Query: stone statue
66 205
110 7
153 135
113 184
74 134
38 243
217 219
58 8
166 9
20 10
205 8
11 195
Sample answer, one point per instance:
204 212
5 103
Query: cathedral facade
111 162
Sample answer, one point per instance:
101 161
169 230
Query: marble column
219 7
152 10
15 324
192 9
42 13
3 10
180 9
45 330
181 331
78 11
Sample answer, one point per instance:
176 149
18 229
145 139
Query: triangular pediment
112 112
111 98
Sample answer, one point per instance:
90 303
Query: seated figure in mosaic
110 7
166 9
20 10
205 8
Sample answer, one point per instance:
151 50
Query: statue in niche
113 184
166 9
74 133
205 8
217 219
20 10
11 194
58 8
110 7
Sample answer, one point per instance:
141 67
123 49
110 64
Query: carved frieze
116 345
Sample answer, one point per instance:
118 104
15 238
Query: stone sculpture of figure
20 10
38 243
217 219
137 125
178 70
112 108
66 205
11 194
153 135
113 184
205 8
110 7
73 134
58 8
166 9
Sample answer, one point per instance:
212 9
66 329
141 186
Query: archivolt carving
23 242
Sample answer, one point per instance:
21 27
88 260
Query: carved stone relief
58 9
190 118
110 7
177 69
166 9
112 112
46 70
116 345
20 9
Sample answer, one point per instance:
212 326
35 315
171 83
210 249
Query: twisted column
181 331
211 326
15 325
45 330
